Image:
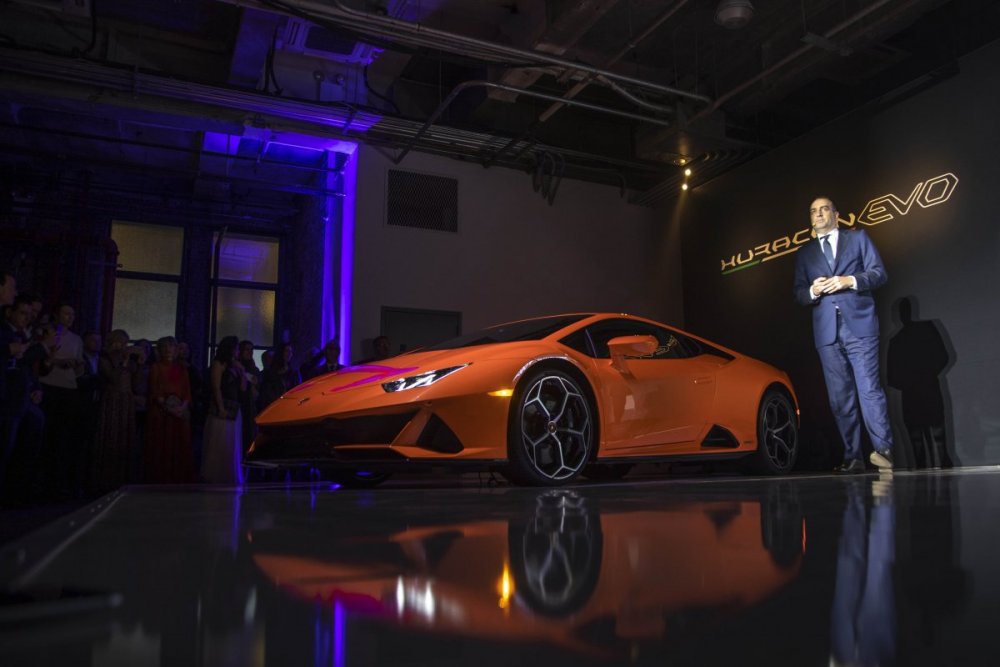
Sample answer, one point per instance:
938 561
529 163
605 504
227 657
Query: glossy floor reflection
810 570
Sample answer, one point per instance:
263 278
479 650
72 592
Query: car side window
579 341
669 344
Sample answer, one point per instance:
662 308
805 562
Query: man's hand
830 285
816 289
835 284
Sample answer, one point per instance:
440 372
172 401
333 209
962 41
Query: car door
660 400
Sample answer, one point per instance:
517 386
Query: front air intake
437 437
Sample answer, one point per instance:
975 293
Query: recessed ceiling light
733 14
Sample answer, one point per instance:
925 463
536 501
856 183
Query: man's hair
5 276
832 205
21 299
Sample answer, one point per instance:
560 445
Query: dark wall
941 253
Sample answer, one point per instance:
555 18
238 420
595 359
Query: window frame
214 283
177 279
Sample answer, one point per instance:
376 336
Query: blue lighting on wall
350 177
338 229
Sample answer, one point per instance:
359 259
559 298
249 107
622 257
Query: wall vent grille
422 201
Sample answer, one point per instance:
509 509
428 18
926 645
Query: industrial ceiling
197 99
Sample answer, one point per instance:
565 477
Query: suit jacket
856 256
6 338
19 377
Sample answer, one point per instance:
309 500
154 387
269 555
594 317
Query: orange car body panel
651 408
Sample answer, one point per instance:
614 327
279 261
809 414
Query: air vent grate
422 201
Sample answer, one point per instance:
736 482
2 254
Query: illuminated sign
933 191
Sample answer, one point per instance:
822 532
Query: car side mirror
630 346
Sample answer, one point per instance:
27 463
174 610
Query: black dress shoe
851 467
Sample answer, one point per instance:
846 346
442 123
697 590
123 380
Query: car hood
377 372
359 387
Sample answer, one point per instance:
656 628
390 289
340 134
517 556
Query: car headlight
422 380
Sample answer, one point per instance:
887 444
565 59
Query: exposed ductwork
339 120
732 94
417 35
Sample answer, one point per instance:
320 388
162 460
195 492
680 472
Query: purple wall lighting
342 319
338 230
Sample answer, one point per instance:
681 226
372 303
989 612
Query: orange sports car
543 401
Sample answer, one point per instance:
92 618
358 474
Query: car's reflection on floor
588 572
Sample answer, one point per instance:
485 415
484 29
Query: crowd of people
84 414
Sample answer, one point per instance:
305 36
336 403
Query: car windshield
507 333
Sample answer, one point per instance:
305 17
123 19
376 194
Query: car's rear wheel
551 432
777 434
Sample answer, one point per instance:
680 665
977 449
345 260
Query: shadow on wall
919 357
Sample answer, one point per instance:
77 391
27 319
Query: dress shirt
70 349
831 238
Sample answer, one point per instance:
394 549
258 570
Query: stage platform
658 569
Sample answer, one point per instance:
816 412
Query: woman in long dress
168 454
221 454
116 441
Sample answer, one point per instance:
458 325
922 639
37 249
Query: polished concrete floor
656 570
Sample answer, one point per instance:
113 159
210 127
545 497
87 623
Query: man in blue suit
835 275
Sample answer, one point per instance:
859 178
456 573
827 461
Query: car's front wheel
551 432
777 434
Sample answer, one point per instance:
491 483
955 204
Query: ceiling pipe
139 83
331 119
414 33
118 205
445 144
195 176
578 88
166 147
465 85
143 89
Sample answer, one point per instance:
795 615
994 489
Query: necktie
824 242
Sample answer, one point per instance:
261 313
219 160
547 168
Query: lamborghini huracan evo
543 401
